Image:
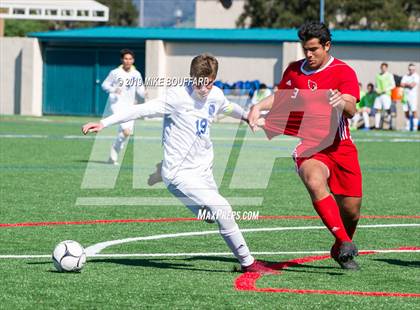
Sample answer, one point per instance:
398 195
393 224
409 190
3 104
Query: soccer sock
119 142
407 124
389 118
229 230
366 119
415 124
236 242
355 119
377 120
329 212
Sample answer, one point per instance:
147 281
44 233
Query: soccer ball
69 256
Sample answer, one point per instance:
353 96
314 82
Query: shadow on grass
85 161
153 263
181 264
399 262
187 264
332 271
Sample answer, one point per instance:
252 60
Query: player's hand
92 127
253 117
336 99
260 123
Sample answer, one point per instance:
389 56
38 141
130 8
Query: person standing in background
355 120
410 83
384 84
123 84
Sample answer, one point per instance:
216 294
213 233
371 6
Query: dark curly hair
311 30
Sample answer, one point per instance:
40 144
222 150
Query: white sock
355 119
236 242
117 146
407 123
229 230
377 120
415 124
221 210
366 119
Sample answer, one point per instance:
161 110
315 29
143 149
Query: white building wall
20 76
155 65
366 61
237 61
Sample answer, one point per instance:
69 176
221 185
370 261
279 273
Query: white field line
93 251
403 138
156 201
15 136
23 256
98 247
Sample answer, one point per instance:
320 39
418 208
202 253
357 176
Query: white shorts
199 192
196 190
410 105
123 126
382 102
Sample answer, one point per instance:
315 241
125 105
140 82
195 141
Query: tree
277 13
19 28
341 14
121 13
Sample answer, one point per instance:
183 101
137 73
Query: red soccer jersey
334 75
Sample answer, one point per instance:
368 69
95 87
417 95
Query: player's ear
327 46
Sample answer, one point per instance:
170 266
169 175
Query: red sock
328 211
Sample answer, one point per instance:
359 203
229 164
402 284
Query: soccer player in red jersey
332 176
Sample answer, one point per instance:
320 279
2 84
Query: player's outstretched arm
234 110
254 116
152 108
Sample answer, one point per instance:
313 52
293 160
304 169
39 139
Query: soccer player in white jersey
188 149
384 84
410 82
123 84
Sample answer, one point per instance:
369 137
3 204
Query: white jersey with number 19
187 144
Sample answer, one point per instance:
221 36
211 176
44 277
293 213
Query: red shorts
343 164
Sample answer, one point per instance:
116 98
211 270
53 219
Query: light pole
178 15
141 14
321 10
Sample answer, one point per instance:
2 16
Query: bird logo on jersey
312 85
212 109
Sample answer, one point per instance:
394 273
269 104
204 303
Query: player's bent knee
127 132
314 183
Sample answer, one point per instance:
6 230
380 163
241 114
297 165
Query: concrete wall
21 65
155 65
237 61
366 60
20 76
211 14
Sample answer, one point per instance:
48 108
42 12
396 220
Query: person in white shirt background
260 94
123 84
410 82
187 167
